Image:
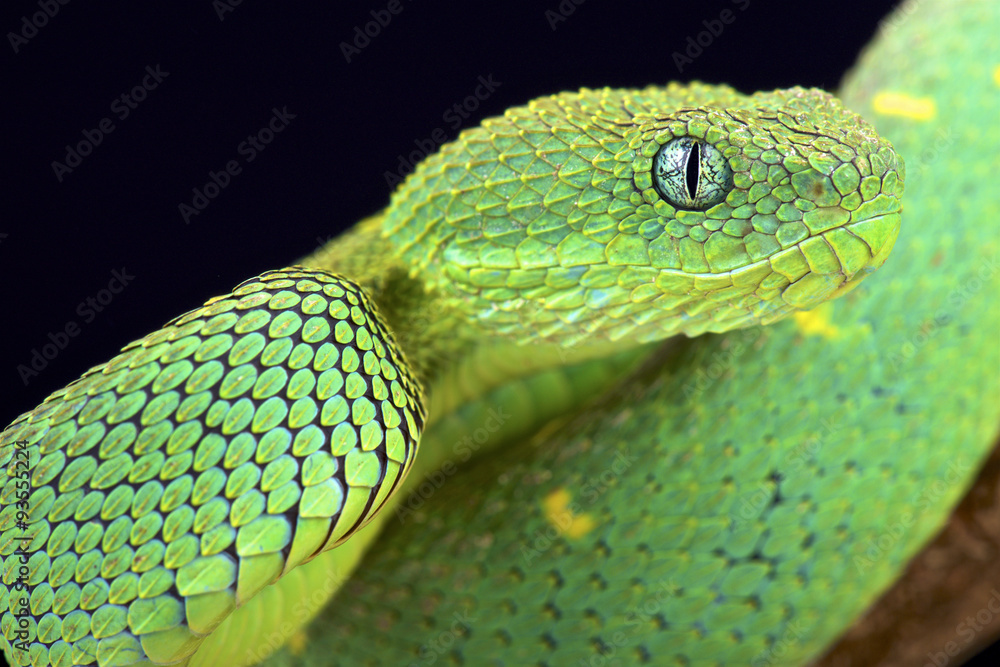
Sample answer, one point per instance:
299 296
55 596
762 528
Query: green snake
245 484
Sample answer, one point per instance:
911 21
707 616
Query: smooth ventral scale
172 484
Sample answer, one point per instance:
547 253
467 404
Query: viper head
638 214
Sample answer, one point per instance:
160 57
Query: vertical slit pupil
692 170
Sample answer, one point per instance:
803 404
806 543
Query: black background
119 208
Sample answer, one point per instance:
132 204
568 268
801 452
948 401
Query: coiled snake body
580 495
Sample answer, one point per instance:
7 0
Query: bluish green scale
218 454
722 510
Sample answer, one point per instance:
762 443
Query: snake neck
457 362
428 332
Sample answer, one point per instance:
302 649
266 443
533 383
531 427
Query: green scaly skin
173 484
779 479
222 453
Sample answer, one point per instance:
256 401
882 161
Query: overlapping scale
170 485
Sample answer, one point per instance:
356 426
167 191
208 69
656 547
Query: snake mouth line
820 267
877 253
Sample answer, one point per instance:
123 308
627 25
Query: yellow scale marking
899 104
816 322
559 513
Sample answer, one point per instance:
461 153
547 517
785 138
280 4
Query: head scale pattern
551 215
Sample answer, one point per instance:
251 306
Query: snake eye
691 174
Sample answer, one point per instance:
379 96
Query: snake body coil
176 505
